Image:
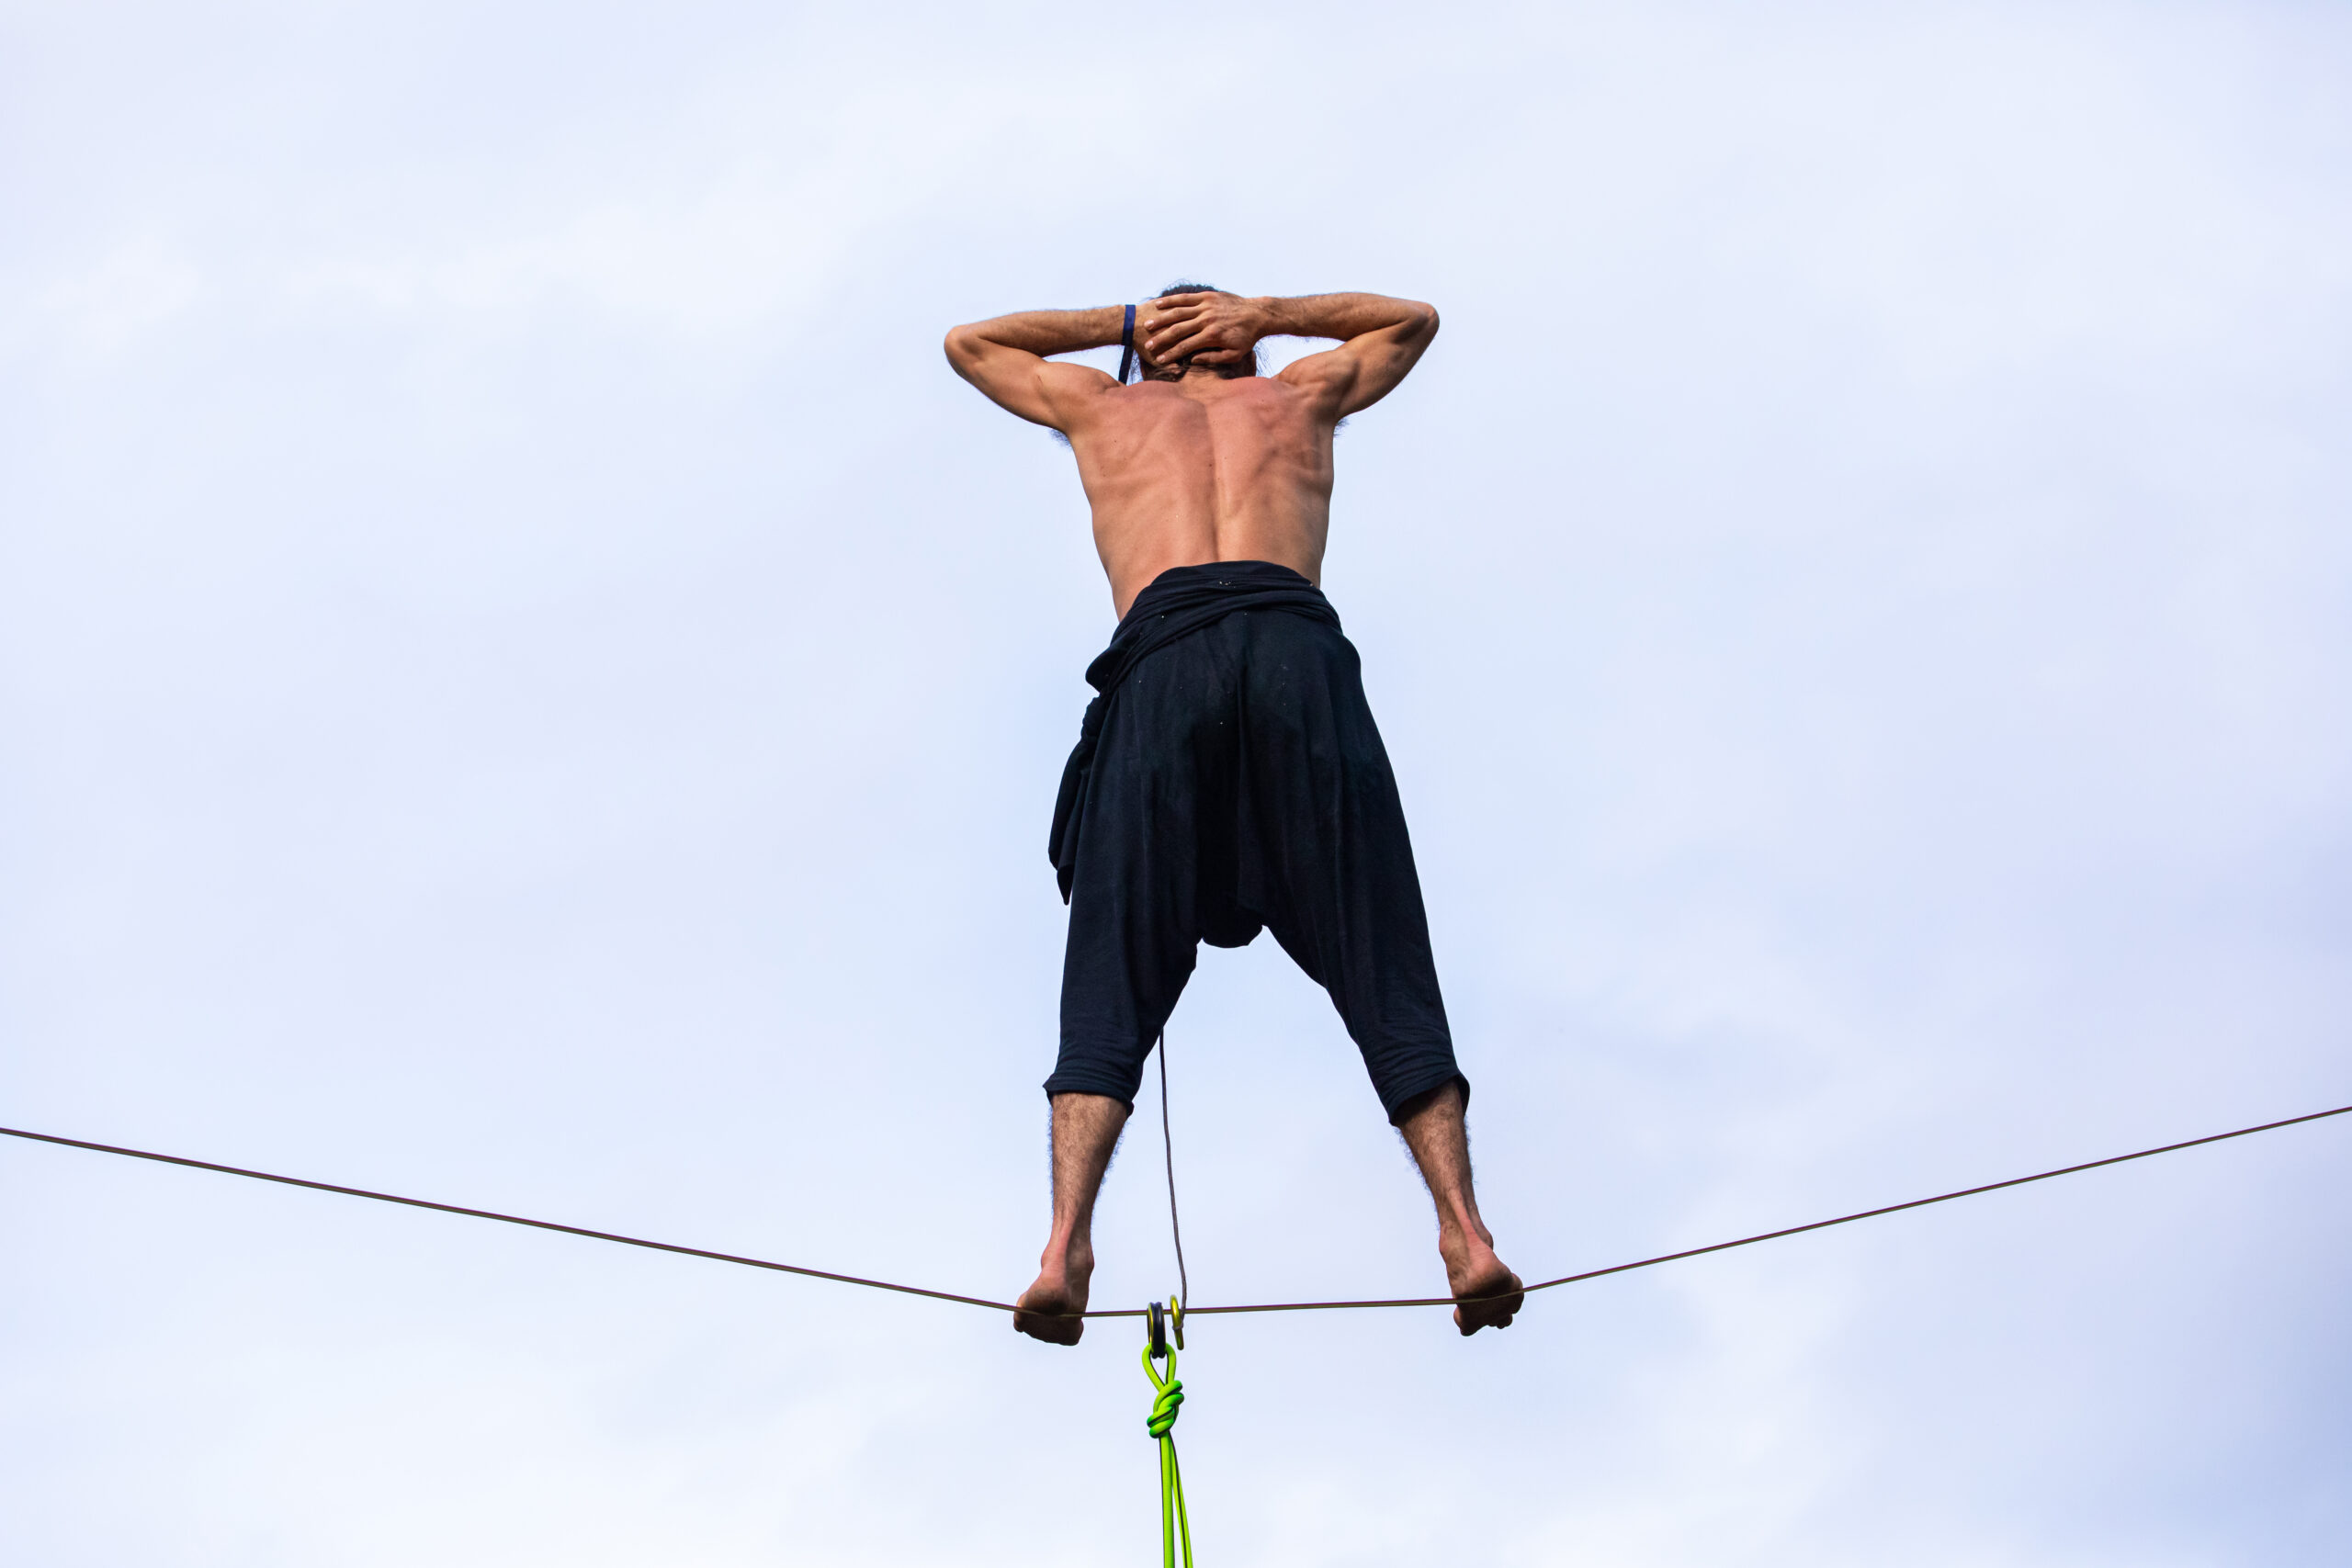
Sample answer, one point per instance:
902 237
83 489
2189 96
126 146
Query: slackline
1139 1312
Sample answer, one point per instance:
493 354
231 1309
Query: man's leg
1086 1128
1133 932
1435 1130
1331 863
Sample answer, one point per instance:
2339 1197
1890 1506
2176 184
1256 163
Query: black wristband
1127 344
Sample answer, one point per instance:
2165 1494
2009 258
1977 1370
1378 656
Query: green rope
1173 1527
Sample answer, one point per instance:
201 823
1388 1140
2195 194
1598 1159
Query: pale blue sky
525 680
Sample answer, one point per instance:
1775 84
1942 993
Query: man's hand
1206 328
1381 338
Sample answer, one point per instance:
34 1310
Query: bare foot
1048 1309
1489 1292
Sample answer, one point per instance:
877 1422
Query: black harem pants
1229 778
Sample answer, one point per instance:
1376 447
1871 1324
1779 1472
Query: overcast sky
525 680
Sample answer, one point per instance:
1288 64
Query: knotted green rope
1173 1527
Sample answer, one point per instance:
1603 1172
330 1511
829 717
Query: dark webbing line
1791 1230
512 1219
1137 1311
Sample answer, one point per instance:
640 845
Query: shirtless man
1229 777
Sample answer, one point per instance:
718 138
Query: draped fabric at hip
1176 605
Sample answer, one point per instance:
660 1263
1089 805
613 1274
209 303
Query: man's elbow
967 348
1423 320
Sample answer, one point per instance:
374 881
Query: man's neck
1204 373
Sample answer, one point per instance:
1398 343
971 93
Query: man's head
1226 364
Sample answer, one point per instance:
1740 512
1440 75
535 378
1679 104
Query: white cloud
102 308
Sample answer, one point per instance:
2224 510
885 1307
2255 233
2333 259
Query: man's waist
1185 599
1219 578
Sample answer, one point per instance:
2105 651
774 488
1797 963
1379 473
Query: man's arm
1382 338
1005 358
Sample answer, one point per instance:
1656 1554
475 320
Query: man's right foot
1501 1288
1048 1309
1489 1292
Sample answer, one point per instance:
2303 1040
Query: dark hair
1245 366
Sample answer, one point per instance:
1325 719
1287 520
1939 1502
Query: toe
1051 1327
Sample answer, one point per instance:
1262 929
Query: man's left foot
1049 1310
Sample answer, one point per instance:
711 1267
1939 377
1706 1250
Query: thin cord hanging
1168 1146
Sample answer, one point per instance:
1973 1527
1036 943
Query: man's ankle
1066 1254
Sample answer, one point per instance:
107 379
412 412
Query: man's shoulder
1312 374
1304 399
1163 405
1068 378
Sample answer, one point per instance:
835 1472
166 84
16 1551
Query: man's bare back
1202 460
1207 461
